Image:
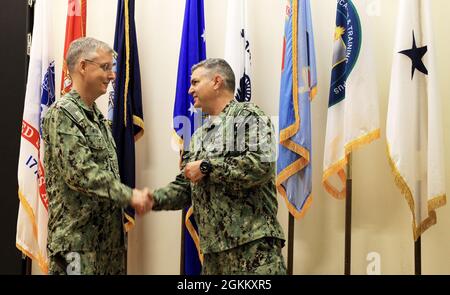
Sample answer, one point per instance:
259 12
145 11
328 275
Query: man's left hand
192 171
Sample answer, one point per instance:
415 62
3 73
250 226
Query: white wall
381 218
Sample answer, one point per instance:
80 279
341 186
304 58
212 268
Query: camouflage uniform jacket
83 185
236 203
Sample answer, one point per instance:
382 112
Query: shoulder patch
71 109
248 109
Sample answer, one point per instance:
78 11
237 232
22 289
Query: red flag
75 28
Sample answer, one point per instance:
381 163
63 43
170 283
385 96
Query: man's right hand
141 201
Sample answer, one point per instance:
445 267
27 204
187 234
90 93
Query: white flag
353 115
414 128
32 219
237 48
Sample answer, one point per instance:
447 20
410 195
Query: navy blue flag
185 117
125 108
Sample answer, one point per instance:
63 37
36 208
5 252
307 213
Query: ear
82 66
218 82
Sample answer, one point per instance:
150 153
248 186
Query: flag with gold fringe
31 236
125 103
186 118
353 115
298 88
414 128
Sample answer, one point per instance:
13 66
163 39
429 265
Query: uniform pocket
95 141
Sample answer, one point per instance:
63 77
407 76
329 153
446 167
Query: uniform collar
227 107
94 111
213 121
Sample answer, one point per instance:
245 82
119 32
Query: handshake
141 201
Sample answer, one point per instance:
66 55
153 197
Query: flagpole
348 218
418 257
183 238
418 243
29 24
290 254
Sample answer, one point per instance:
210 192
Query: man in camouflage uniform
86 197
228 175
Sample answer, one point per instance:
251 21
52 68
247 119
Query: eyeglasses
106 67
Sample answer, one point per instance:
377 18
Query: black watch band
205 167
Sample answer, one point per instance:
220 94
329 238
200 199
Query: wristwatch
205 167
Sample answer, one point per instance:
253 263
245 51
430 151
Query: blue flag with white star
185 117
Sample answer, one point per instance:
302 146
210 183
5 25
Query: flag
75 28
31 237
237 48
125 102
414 128
353 116
298 88
185 117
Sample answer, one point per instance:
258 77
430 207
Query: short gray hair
84 47
218 66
